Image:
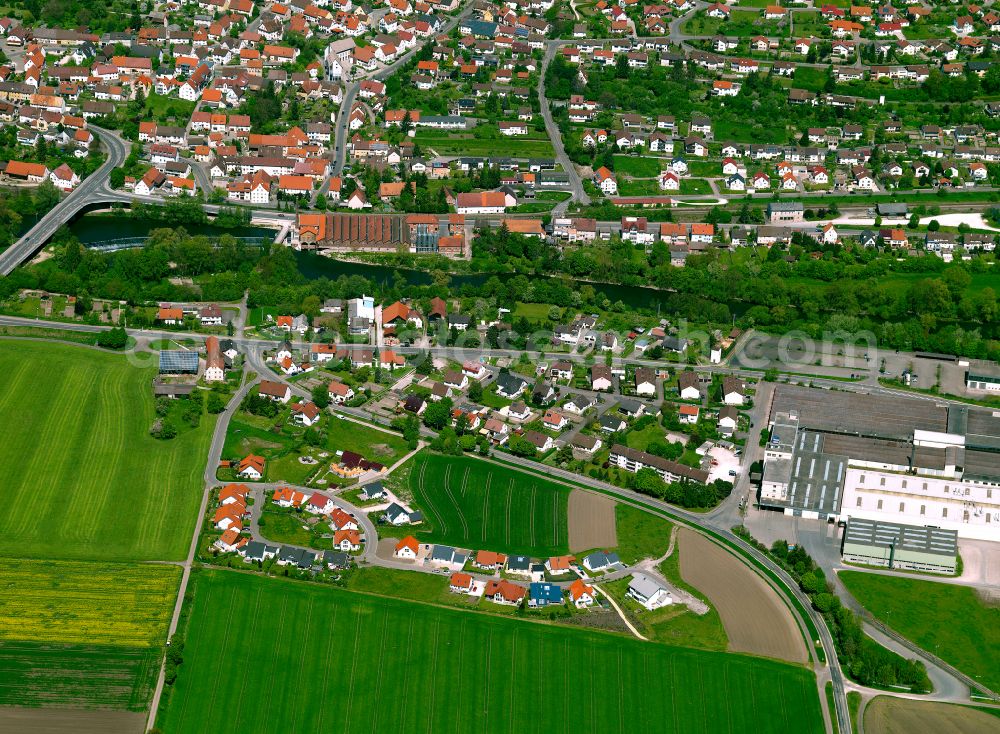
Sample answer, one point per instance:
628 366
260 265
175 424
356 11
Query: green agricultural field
82 634
637 166
951 621
82 476
272 655
474 504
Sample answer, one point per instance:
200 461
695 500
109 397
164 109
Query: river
93 229
316 266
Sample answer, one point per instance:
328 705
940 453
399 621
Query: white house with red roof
305 414
319 504
407 548
251 467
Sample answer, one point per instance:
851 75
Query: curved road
36 237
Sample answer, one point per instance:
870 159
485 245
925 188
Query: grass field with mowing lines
319 655
948 620
82 634
473 504
83 479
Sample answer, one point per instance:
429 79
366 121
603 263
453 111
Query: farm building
875 543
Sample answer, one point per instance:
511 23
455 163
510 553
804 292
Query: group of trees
501 248
683 493
115 338
864 660
845 287
98 16
19 207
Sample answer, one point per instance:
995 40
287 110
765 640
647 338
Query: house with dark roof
509 385
542 594
600 560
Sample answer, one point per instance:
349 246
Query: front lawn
637 166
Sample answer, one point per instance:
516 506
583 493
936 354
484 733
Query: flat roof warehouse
878 416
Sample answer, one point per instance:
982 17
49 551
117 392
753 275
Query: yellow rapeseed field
86 603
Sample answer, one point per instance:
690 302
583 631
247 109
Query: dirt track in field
591 521
887 715
61 721
755 618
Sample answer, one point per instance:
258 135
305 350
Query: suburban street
579 195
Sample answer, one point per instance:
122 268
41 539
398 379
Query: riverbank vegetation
908 303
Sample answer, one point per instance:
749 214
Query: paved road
82 196
261 491
555 135
214 454
256 347
352 86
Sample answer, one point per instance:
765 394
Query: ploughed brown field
60 721
753 615
591 520
887 715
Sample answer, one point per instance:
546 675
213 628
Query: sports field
477 505
82 634
949 620
82 478
269 655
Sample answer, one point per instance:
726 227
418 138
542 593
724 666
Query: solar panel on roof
178 361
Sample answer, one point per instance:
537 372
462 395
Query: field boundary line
246 668
565 679
486 506
531 516
555 521
489 669
510 495
428 501
513 678
220 658
673 695
297 703
729 712
458 509
274 651
434 662
38 457
354 656
461 666
381 667
621 694
406 678
88 513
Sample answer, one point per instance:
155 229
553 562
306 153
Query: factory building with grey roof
839 455
892 545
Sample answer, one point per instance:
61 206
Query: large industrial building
889 544
838 455
348 232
